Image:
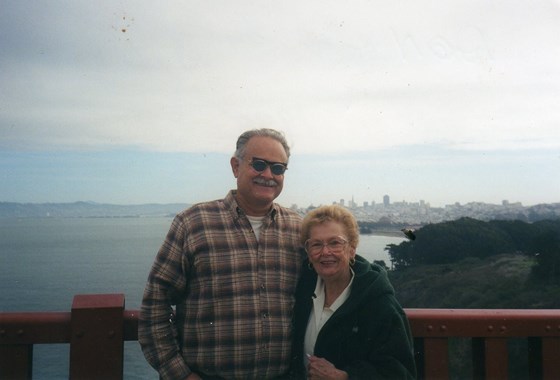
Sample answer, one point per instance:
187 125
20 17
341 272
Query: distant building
386 200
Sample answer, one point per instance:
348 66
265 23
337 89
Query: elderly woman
348 324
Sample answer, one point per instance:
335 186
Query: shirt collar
231 204
319 294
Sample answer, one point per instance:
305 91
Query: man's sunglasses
260 165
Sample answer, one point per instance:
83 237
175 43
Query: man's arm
157 332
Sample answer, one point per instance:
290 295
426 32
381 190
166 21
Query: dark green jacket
368 336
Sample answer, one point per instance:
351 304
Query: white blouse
321 314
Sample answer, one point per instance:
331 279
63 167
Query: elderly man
230 268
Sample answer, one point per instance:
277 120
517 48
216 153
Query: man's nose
267 172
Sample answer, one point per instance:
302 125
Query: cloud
190 76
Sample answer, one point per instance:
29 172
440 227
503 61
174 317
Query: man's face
257 190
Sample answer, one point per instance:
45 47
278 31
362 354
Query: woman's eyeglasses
336 245
260 165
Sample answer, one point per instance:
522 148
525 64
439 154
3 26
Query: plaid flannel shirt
234 295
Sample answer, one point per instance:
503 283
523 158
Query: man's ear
234 162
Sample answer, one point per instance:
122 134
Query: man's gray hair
263 132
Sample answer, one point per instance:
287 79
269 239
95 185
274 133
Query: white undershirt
256 223
320 315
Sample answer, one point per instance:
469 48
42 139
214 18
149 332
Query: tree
449 242
546 247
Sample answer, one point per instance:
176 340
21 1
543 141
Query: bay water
45 262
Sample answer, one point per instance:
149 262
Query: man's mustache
265 182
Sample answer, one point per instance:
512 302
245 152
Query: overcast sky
138 102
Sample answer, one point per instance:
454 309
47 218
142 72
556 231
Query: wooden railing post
490 358
436 351
551 356
16 361
96 344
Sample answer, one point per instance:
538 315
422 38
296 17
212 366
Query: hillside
86 210
497 282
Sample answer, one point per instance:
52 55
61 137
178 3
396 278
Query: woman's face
328 250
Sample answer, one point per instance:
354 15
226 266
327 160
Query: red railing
98 325
489 331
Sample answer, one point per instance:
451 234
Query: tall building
386 200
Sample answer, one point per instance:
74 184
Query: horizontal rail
51 327
484 322
98 325
54 327
35 328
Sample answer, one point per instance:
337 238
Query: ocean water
45 262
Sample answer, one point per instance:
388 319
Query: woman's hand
320 368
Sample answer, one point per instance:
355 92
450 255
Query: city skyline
385 214
134 102
385 200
